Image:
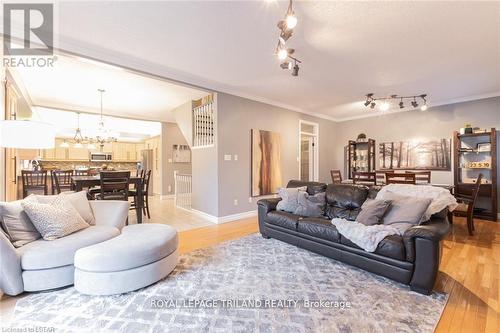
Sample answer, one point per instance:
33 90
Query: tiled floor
165 212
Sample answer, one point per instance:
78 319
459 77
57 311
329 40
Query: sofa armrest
264 207
110 212
434 230
11 280
268 205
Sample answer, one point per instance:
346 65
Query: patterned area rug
247 285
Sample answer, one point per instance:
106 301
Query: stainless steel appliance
147 163
101 157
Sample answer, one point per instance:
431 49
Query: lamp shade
26 134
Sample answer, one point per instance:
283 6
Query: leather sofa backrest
312 187
373 190
345 200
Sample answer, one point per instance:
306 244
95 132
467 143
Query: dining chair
336 176
421 177
380 176
145 192
114 185
400 178
34 181
61 180
466 204
364 178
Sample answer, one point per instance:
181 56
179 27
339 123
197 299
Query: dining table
81 182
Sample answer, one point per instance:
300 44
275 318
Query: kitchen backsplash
71 165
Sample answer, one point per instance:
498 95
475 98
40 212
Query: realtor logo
32 23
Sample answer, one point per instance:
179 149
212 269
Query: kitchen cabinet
77 154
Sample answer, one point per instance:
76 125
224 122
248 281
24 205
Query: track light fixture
284 54
386 101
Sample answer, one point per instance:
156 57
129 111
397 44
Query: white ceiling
73 82
449 50
65 124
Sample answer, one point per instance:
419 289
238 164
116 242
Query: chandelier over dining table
101 136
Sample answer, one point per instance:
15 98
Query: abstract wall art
266 175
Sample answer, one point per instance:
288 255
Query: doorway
308 151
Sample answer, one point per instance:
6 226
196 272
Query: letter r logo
32 24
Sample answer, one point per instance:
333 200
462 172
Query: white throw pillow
17 224
77 199
53 220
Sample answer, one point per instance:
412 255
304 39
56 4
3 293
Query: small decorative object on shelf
474 153
467 129
484 147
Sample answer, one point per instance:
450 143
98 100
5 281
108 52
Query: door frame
315 135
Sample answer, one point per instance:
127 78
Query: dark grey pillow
372 211
310 205
405 209
289 199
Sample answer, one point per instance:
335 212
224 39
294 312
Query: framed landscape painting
266 162
418 155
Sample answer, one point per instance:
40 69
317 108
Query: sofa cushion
319 227
136 246
405 209
391 246
310 205
289 198
17 224
312 187
282 219
42 254
77 199
344 200
372 211
53 220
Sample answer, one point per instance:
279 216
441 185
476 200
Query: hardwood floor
470 271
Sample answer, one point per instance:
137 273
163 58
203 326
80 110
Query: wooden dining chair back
114 185
421 177
139 173
400 178
380 176
34 181
467 203
336 176
146 180
61 180
364 178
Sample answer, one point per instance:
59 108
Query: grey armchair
43 265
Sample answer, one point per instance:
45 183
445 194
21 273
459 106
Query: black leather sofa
411 259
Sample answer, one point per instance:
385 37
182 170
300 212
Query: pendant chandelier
104 135
101 137
78 140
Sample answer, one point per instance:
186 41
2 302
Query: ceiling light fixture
370 101
104 135
286 27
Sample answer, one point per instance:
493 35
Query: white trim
167 196
204 215
235 217
224 219
315 135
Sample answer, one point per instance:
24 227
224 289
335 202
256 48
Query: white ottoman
141 255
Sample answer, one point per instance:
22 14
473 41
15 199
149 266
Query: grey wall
436 122
236 117
170 135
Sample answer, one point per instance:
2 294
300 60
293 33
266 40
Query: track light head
295 71
401 105
286 65
372 105
367 102
423 107
414 103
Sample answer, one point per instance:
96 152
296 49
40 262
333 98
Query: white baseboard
227 218
167 196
